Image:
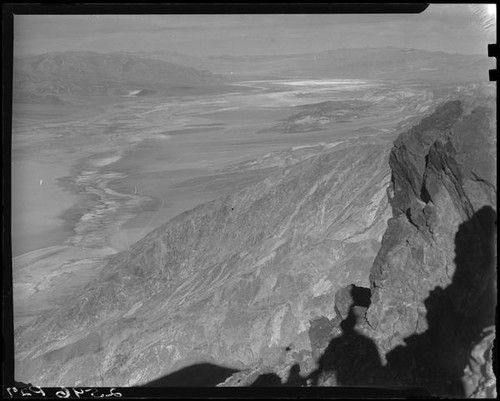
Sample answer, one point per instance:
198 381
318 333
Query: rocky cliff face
433 281
429 321
233 282
432 313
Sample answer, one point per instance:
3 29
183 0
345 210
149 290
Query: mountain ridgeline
89 73
427 319
389 63
45 78
369 63
433 281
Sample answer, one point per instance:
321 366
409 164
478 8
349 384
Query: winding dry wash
316 218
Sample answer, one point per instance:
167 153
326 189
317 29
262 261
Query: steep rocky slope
432 313
428 318
233 282
433 280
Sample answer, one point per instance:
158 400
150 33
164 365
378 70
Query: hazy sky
456 28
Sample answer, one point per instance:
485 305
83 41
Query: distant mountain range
395 64
370 63
90 73
45 77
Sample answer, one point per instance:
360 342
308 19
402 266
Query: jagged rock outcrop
433 280
349 299
431 319
349 296
479 379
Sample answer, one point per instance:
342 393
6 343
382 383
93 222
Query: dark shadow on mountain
200 375
294 378
267 380
457 317
22 384
273 380
361 296
350 359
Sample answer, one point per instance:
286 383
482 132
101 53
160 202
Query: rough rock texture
349 296
433 280
321 331
234 282
431 319
351 359
479 379
350 299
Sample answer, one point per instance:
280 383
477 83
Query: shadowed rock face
232 282
350 296
433 278
200 375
